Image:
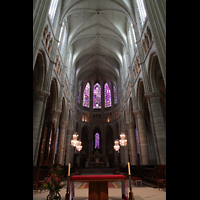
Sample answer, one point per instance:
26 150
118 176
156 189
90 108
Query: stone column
70 149
63 128
55 114
132 142
124 152
115 136
159 126
39 106
141 130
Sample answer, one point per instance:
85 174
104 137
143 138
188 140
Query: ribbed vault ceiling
97 31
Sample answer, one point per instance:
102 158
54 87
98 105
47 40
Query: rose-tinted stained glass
79 94
115 95
107 96
96 140
86 96
97 96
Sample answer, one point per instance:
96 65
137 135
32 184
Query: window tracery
86 96
97 96
107 96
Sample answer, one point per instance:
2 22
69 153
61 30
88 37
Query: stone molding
41 95
63 124
138 112
151 95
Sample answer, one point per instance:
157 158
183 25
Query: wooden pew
161 176
36 174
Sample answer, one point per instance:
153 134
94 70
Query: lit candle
69 169
129 169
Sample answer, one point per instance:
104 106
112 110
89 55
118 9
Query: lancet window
107 96
97 96
86 96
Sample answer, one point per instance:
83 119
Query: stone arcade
99 68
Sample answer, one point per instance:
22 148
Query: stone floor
139 193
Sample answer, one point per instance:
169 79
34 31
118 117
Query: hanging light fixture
74 141
123 141
78 146
116 146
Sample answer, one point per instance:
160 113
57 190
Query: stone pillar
70 149
141 130
124 153
115 136
63 128
39 106
132 142
158 124
55 114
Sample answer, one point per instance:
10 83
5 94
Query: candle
129 168
69 169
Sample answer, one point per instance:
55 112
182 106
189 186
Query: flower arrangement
53 181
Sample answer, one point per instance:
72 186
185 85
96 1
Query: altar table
98 185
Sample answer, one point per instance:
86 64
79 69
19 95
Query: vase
53 194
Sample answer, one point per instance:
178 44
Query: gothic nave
99 69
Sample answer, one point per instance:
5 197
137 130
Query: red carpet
110 185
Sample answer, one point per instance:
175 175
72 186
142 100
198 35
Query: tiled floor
139 193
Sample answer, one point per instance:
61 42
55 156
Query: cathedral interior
99 70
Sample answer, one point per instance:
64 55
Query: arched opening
48 139
96 130
144 107
157 83
109 146
85 151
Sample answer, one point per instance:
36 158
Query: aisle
140 193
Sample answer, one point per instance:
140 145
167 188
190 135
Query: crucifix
59 148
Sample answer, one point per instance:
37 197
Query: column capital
151 95
129 124
64 124
55 114
41 95
138 112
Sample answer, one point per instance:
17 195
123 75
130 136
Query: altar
97 160
98 185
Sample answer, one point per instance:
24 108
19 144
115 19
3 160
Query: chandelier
76 143
116 146
122 142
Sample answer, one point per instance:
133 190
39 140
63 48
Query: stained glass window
107 96
97 96
86 96
79 94
96 140
115 95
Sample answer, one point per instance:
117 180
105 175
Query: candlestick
129 169
69 169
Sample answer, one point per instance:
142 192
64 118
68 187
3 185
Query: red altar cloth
108 178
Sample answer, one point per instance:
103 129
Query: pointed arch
54 90
86 96
107 93
97 96
140 95
39 72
